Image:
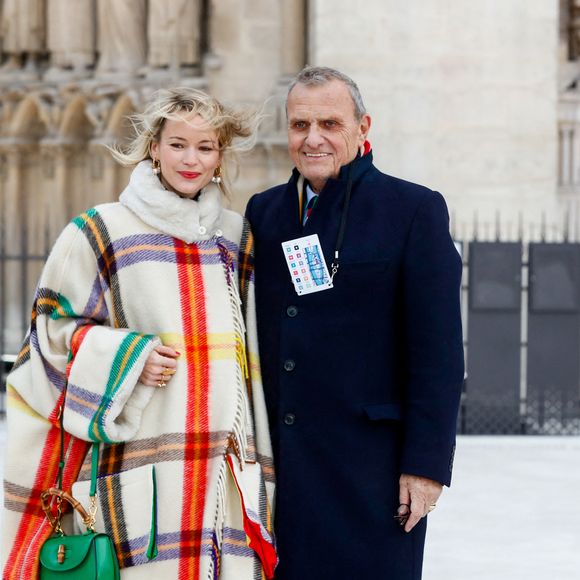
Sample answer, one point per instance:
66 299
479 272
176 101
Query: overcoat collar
186 219
360 165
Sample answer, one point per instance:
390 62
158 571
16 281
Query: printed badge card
306 264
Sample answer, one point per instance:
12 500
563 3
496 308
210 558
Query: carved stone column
293 37
12 203
575 154
105 172
566 154
292 60
55 156
36 204
14 283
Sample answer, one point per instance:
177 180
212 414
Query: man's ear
365 125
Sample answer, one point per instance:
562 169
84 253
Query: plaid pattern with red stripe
196 424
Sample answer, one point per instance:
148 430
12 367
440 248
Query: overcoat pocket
384 411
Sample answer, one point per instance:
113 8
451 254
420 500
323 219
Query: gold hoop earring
156 166
217 175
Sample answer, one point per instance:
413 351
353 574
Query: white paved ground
513 512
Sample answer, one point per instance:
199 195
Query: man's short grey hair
313 76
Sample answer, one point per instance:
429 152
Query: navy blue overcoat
363 380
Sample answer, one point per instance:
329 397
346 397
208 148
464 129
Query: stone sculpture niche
71 38
121 40
112 39
23 36
173 37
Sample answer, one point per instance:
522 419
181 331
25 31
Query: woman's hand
160 367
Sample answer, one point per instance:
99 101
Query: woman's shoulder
106 215
103 210
94 218
111 210
96 227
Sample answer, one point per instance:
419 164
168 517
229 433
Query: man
362 374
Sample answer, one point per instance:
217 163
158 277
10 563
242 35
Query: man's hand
416 496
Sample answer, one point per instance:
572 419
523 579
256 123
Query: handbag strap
59 478
94 469
46 501
61 463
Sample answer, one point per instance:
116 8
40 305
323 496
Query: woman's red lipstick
189 174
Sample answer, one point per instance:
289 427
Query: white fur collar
164 210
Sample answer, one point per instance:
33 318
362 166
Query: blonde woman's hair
236 130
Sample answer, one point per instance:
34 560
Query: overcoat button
289 365
291 311
289 418
202 231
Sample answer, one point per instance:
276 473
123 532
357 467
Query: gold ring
166 371
432 507
161 384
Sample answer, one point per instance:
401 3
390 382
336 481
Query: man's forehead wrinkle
310 113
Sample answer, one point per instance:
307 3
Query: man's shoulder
263 205
403 189
271 193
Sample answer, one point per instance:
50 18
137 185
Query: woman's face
188 153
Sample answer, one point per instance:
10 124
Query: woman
139 333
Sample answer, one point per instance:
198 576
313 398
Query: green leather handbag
88 556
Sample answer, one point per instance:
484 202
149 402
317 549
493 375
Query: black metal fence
522 338
521 310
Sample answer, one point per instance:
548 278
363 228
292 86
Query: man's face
323 132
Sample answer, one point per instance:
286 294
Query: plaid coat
185 475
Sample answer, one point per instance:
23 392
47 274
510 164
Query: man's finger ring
432 507
161 384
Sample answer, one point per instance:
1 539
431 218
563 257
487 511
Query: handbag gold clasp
93 507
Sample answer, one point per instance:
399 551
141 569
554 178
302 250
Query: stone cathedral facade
478 101
73 70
